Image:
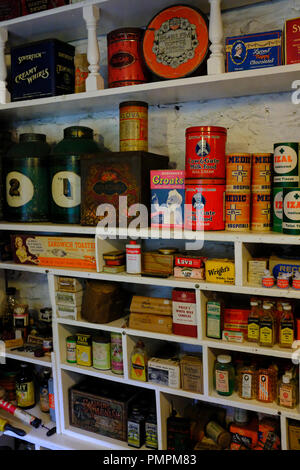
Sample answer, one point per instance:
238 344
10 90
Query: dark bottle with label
65 173
136 428
44 392
25 391
151 429
5 144
25 169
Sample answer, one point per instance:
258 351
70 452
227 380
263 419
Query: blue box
43 68
254 51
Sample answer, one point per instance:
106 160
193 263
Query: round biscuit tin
286 164
291 211
237 212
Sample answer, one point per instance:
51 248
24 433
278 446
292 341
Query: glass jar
224 375
266 383
287 394
267 326
246 382
65 173
25 169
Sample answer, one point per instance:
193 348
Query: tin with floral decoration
116 353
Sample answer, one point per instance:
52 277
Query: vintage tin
190 260
184 312
252 51
291 41
167 198
175 42
40 69
25 169
238 172
133 126
237 211
84 350
204 204
286 164
34 6
116 353
101 353
261 212
277 209
9 9
205 152
291 211
71 349
5 144
126 65
65 173
261 172
107 176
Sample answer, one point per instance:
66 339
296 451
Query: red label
204 207
292 38
183 262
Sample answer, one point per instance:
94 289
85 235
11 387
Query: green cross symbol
296 196
281 150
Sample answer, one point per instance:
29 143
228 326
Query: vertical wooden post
94 81
216 61
4 94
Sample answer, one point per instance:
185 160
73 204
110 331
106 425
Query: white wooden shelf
245 83
250 348
44 361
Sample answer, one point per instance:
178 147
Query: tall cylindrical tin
133 126
286 164
291 211
277 210
116 353
204 204
205 152
261 212
25 170
5 144
261 172
125 59
237 211
65 173
238 172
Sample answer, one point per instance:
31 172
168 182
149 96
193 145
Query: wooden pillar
94 81
4 94
216 61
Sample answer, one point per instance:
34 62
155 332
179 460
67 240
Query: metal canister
71 349
133 126
65 173
238 172
291 211
205 152
261 172
286 164
84 350
5 144
25 169
101 353
125 60
116 353
237 211
261 212
277 210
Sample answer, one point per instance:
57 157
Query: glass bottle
287 394
267 326
253 322
44 392
136 428
224 375
25 391
7 319
151 429
138 362
286 327
266 382
246 382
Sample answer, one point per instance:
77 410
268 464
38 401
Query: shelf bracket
216 61
94 81
4 94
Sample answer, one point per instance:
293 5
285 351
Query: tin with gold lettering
133 126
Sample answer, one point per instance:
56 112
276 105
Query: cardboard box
68 284
62 252
292 41
281 265
190 273
68 311
220 271
151 305
191 374
165 372
256 269
155 323
294 437
155 262
72 299
252 51
236 319
233 336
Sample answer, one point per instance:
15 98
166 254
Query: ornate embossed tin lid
176 42
124 33
77 132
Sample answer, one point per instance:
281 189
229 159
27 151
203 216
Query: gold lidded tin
167 251
133 126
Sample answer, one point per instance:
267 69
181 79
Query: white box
68 311
165 372
69 298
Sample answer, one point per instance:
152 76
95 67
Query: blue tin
254 51
43 68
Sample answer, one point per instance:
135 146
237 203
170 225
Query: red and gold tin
176 42
261 172
133 126
261 212
126 65
205 152
204 204
238 172
237 212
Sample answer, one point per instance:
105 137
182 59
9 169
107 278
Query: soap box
167 198
43 68
281 265
220 271
165 372
292 41
252 51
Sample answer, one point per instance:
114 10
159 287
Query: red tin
184 312
205 152
204 204
125 61
291 41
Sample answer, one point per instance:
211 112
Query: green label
134 434
213 320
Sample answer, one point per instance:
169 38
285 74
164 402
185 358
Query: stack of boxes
151 314
68 297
